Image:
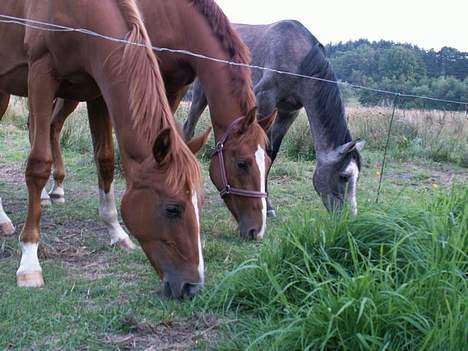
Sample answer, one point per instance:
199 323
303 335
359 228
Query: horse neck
326 114
225 107
132 145
228 92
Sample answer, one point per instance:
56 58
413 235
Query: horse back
281 45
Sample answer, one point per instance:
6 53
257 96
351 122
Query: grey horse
289 46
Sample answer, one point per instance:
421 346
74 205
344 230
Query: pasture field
392 278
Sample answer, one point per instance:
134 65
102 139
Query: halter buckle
225 191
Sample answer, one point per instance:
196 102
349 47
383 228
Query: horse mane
150 111
329 104
237 51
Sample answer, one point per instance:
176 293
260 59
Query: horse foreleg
42 87
278 130
6 226
62 109
4 101
101 132
197 107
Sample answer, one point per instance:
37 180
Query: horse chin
175 289
332 204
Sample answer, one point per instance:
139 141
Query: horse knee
38 171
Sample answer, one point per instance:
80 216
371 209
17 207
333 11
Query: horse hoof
57 199
125 244
45 202
271 213
7 228
30 280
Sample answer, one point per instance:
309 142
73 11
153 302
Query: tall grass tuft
435 135
17 113
75 134
393 278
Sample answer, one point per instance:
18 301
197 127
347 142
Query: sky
429 24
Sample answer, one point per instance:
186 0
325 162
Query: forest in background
402 68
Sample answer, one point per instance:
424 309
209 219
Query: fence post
395 101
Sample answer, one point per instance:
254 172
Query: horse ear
360 143
267 122
197 143
345 149
162 146
247 121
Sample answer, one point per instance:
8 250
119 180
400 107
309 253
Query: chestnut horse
161 202
238 169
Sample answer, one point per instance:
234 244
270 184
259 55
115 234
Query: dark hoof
270 211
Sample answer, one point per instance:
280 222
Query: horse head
335 177
238 169
161 209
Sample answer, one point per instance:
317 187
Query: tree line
403 68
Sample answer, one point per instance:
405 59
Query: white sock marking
108 214
57 190
353 172
3 216
201 264
44 194
29 260
260 158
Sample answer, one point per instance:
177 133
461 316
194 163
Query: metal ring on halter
227 189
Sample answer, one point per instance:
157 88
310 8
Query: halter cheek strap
227 189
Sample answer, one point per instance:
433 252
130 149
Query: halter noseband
227 189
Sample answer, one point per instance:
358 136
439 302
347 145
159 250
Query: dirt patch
168 335
439 174
12 173
82 246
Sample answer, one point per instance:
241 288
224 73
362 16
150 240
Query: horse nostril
252 234
189 290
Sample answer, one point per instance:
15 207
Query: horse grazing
289 46
163 187
239 167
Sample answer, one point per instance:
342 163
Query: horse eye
243 165
173 211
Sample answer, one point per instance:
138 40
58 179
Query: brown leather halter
227 189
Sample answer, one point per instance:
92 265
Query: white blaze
260 159
353 172
201 264
29 260
3 216
108 214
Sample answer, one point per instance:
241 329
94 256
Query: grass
434 135
391 278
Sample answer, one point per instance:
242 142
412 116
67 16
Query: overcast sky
428 24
